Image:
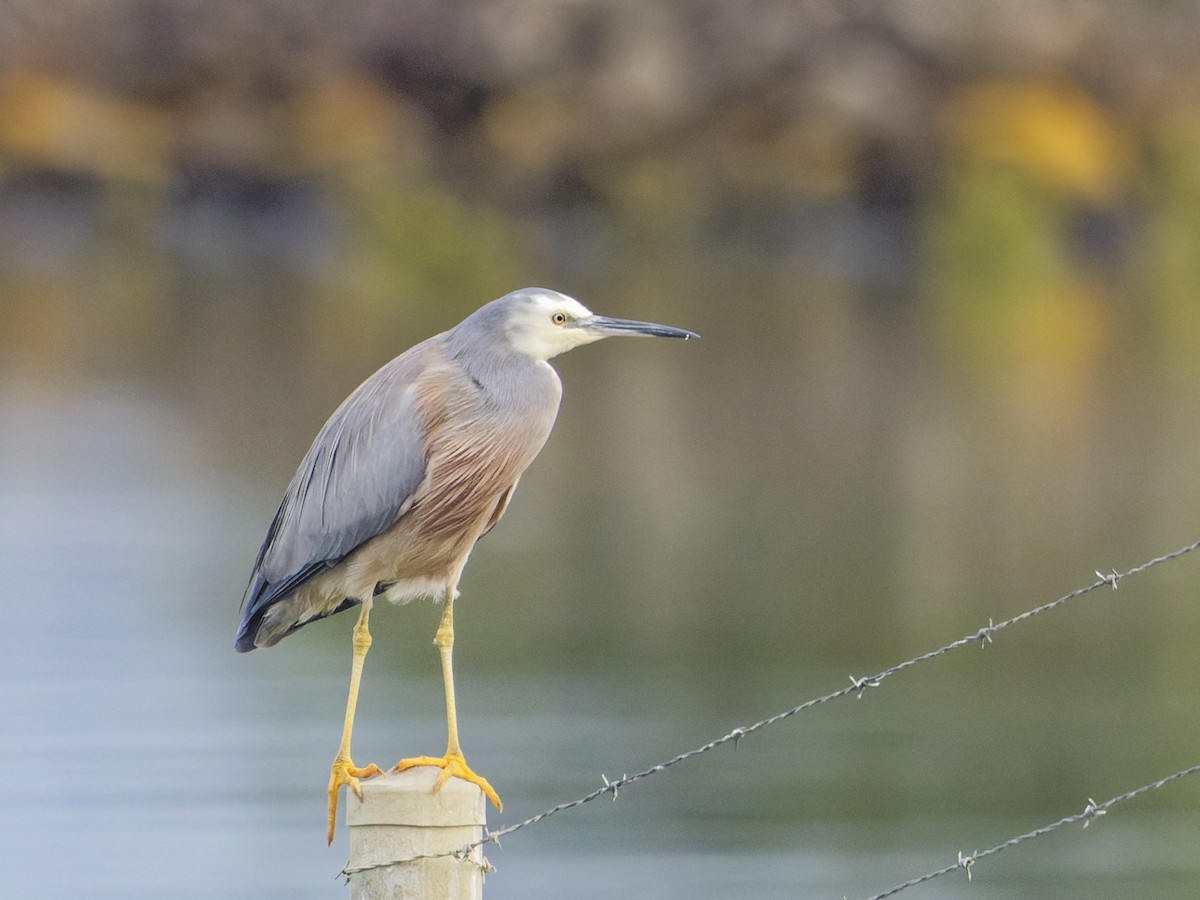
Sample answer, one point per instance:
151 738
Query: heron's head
542 323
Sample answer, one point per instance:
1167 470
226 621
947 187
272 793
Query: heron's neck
514 382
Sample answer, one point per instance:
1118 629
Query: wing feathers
357 478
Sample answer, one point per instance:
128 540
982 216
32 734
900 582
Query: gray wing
357 478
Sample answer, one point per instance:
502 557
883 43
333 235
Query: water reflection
144 758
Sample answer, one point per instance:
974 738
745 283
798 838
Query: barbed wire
1090 812
856 687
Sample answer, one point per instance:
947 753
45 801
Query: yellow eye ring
559 318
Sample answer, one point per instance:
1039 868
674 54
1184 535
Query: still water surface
142 758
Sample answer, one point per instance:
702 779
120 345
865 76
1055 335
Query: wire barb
1113 577
1092 811
984 635
861 684
966 862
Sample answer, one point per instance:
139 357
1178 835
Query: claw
343 771
452 764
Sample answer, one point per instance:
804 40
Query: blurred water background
946 260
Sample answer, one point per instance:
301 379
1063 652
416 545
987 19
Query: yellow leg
343 770
444 638
453 762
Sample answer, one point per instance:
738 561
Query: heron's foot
452 764
344 771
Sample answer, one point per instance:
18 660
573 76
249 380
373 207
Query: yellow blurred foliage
1035 360
355 121
1052 130
1015 309
1061 334
1052 335
50 122
533 127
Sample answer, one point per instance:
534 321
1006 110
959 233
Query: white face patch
545 325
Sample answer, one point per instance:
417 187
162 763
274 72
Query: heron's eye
559 318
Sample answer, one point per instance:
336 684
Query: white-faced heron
409 472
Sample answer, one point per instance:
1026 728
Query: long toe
452 765
343 771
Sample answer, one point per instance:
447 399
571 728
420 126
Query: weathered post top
401 818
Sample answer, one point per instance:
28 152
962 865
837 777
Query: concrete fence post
401 818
